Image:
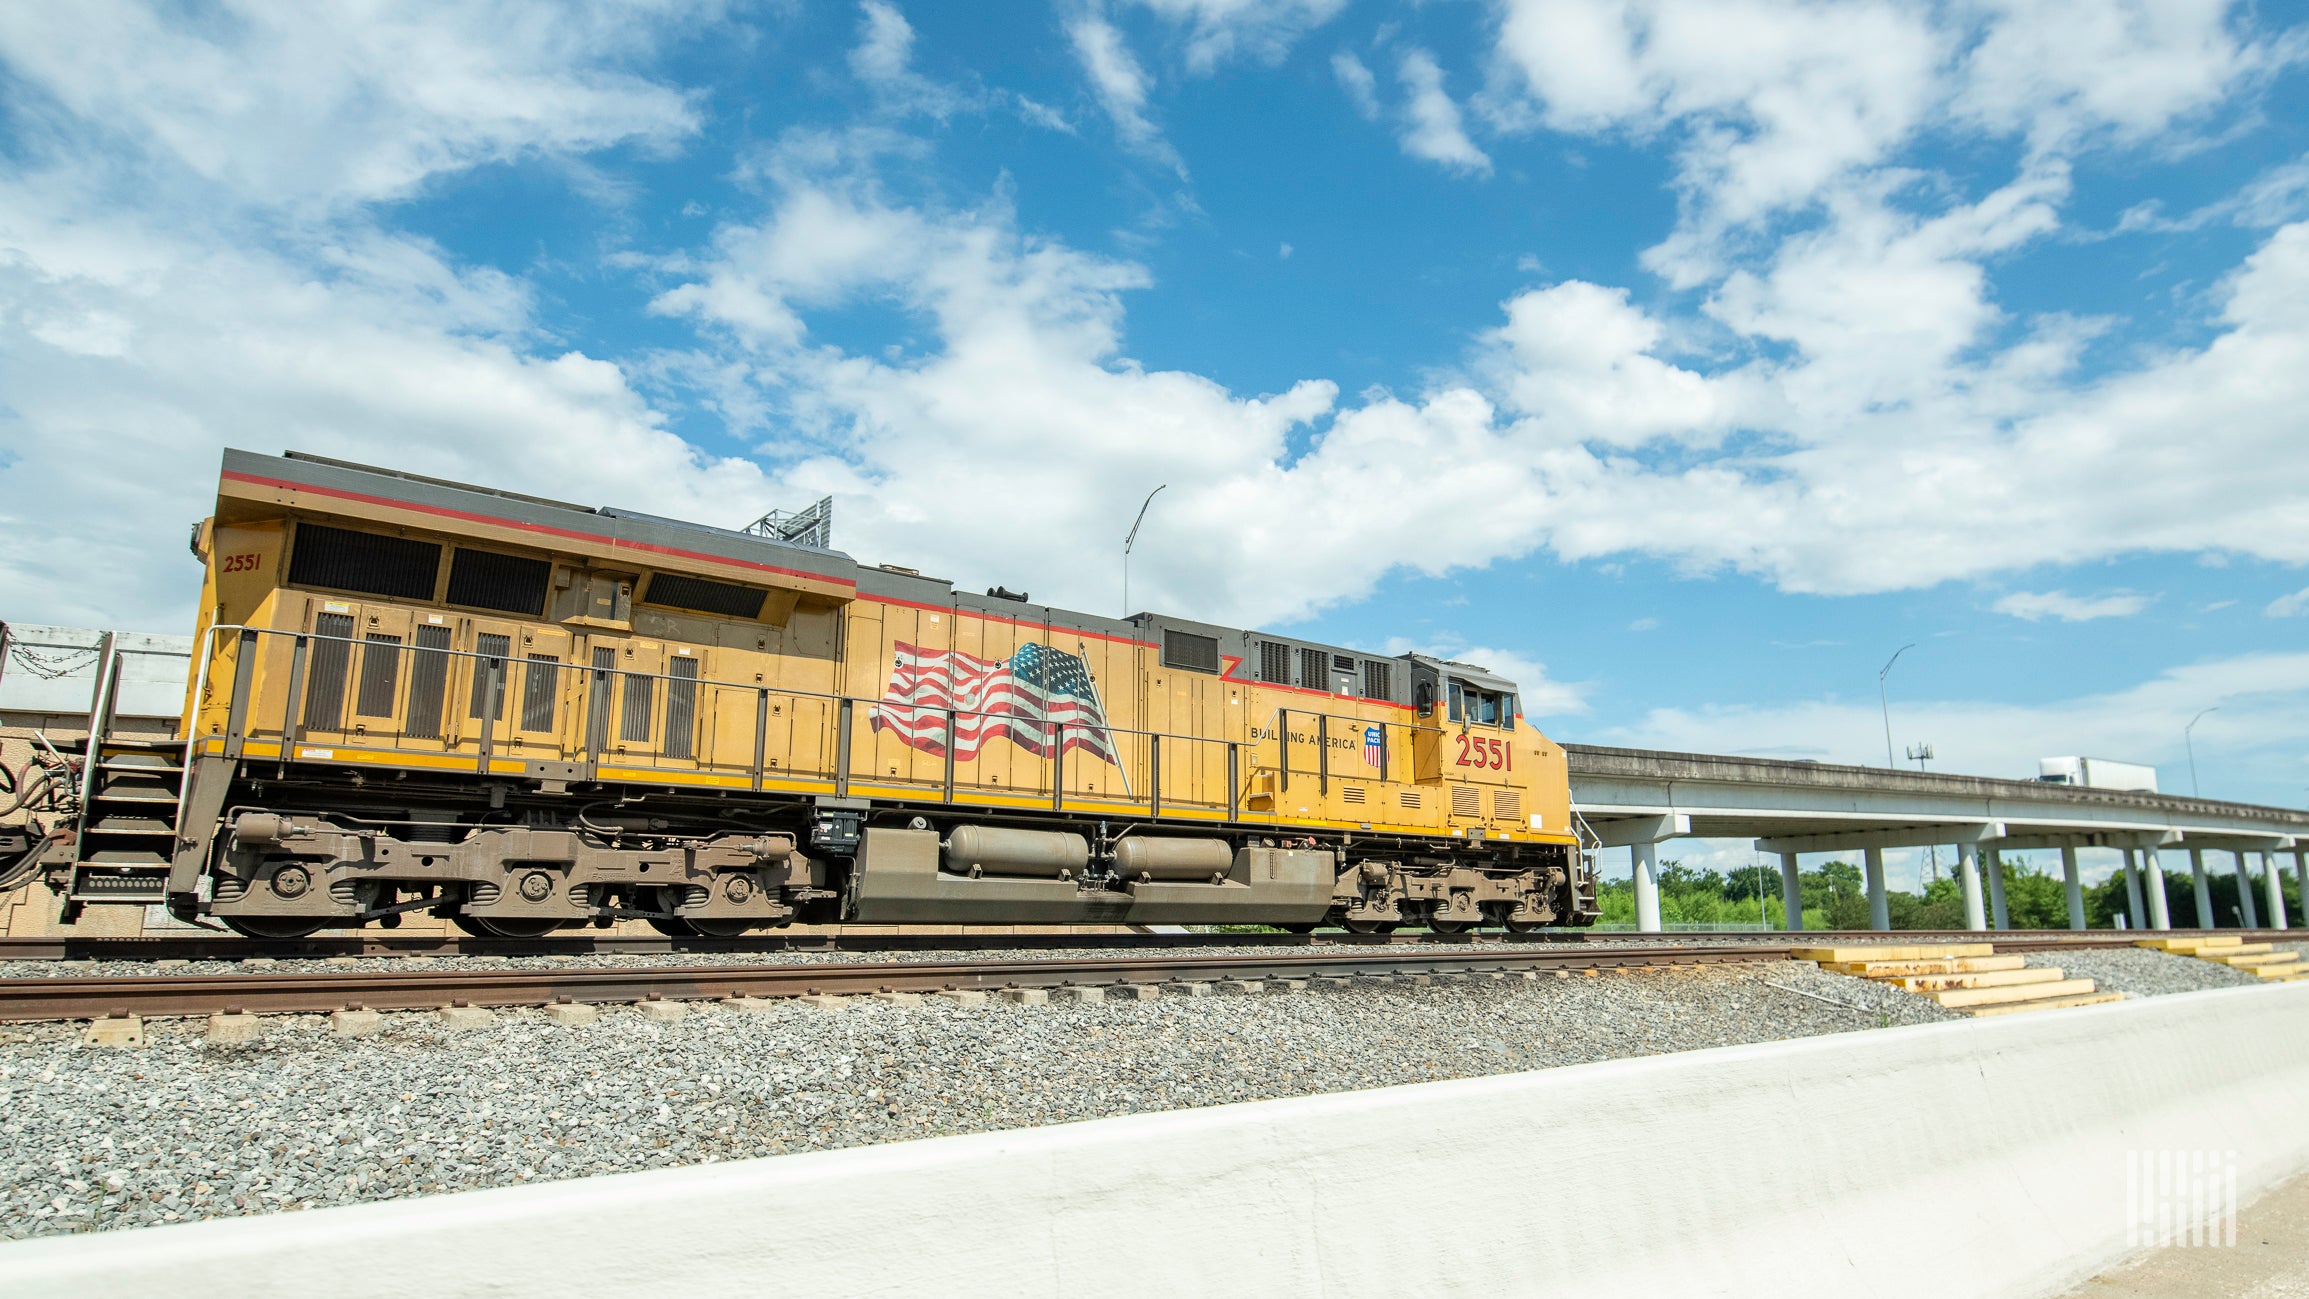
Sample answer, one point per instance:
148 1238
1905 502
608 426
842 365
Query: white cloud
277 102
1773 106
1362 88
1644 624
1575 360
883 60
1432 128
185 263
2055 70
1261 29
2036 606
1122 87
2289 606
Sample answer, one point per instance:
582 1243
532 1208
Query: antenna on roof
813 527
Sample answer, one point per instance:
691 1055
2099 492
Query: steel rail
400 988
24 1000
387 943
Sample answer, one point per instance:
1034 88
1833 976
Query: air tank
987 850
1172 859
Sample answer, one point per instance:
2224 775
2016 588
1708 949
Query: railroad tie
1967 977
2261 960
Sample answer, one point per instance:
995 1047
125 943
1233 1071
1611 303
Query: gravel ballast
2139 972
96 1138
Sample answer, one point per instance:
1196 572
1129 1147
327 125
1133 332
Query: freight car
417 695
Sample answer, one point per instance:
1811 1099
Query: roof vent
1005 593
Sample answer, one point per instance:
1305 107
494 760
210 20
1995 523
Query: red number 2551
1484 751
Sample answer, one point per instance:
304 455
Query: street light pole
1884 702
1128 542
2191 745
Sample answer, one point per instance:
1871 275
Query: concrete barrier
1982 1158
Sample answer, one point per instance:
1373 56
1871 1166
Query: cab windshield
1481 707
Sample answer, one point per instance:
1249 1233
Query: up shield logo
1374 746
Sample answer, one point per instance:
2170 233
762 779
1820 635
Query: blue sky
1684 360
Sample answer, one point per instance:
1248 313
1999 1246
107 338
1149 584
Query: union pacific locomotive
421 696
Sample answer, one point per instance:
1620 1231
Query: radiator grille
364 562
325 675
673 591
1315 669
380 675
1408 799
538 688
493 649
1378 679
1466 800
428 683
640 698
1184 649
1275 662
681 708
600 698
481 579
1350 794
1507 804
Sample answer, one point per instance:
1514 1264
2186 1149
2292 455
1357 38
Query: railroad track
398 987
375 944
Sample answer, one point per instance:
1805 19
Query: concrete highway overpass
1640 798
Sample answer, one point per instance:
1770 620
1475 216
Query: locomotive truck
520 714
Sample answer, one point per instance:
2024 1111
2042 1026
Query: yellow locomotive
416 695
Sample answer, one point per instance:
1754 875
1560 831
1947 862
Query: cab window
1481 707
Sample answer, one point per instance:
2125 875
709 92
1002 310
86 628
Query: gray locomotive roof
539 512
633 526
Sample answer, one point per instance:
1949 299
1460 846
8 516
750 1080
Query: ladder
130 791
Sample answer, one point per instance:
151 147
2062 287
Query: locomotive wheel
492 927
1515 926
276 926
1450 926
672 926
721 928
1297 929
1368 926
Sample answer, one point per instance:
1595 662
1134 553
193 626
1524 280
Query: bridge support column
2136 912
2301 880
1879 906
2247 911
2153 879
2276 883
1968 874
2204 888
1644 857
1994 862
2072 885
1791 893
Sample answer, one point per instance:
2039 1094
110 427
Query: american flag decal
1027 697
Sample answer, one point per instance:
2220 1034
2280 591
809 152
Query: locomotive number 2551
1483 751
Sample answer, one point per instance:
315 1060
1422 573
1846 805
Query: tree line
1835 896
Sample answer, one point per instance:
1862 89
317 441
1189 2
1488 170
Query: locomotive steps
1969 977
2259 959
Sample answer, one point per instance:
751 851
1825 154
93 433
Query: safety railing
434 704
